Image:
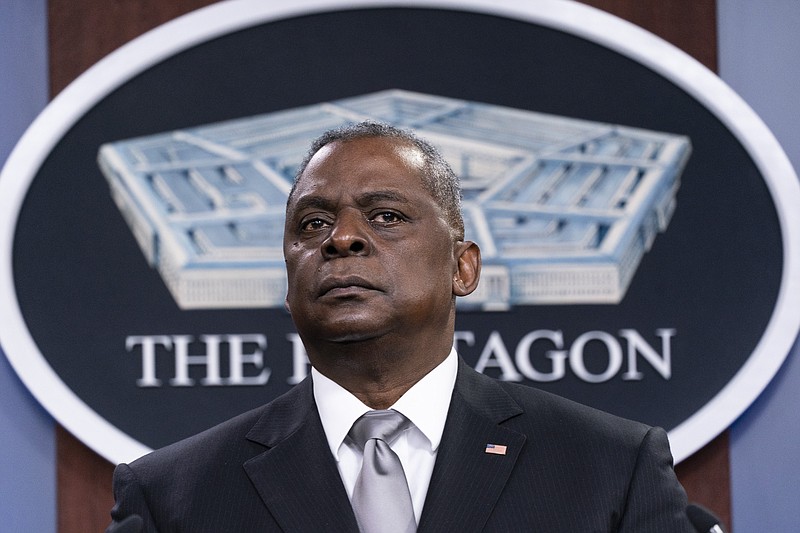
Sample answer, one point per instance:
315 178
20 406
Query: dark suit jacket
568 468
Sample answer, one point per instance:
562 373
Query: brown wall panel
84 483
691 26
706 476
81 32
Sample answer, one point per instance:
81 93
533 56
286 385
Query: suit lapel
297 477
466 481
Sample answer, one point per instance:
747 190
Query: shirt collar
425 404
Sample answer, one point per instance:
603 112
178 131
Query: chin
353 333
350 337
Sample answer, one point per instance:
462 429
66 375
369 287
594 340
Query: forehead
364 163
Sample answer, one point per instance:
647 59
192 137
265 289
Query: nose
348 236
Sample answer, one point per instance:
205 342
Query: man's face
368 251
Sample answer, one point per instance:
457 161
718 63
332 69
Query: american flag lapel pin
496 449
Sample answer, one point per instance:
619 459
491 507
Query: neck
376 374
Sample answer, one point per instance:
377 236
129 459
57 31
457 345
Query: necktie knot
384 425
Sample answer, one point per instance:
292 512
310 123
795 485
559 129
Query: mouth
345 286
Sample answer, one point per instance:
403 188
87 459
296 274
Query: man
375 256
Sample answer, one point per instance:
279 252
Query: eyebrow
373 197
318 202
366 199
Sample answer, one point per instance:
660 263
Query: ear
286 304
468 272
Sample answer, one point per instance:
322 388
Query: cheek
429 271
293 275
301 270
297 259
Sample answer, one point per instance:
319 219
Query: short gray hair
438 177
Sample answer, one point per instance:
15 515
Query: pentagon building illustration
562 209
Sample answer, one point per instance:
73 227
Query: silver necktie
381 499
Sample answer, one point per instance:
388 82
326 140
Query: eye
386 217
313 224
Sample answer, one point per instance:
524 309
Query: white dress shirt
425 405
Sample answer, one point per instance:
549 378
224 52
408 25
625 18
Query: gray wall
759 45
27 464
